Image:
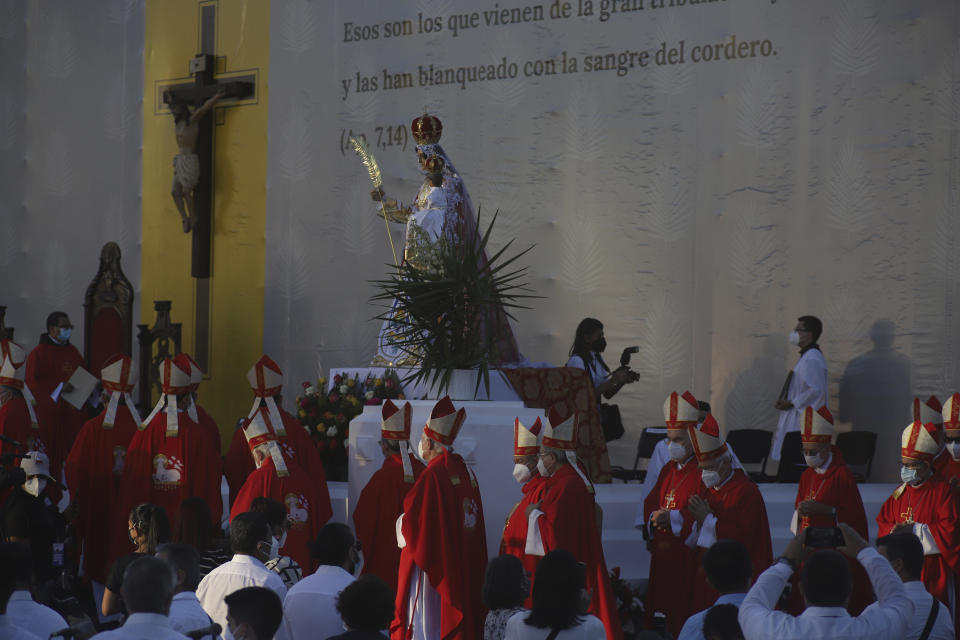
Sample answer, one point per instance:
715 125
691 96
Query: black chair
752 447
792 463
858 448
649 438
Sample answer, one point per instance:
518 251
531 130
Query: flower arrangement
326 414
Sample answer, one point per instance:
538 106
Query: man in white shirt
9 554
148 585
826 585
253 544
253 613
904 551
186 614
806 385
728 569
22 611
310 608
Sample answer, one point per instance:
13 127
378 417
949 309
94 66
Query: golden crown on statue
434 164
426 129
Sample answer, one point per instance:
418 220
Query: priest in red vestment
932 411
443 540
197 413
51 363
170 458
951 439
729 507
826 496
562 519
381 500
525 454
277 477
95 465
18 418
926 505
665 511
266 380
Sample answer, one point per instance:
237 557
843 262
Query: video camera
632 376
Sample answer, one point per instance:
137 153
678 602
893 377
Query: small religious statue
186 164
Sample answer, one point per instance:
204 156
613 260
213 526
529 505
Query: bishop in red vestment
266 380
525 454
562 519
444 547
950 468
927 505
665 510
729 507
18 419
308 506
381 500
170 458
95 465
51 363
826 496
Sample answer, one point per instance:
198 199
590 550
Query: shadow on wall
750 403
875 395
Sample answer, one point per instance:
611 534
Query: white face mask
274 549
814 462
908 475
954 449
420 451
710 478
542 469
794 338
35 486
677 451
282 541
521 473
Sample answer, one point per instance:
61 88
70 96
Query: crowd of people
130 528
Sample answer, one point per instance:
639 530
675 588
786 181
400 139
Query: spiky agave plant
447 316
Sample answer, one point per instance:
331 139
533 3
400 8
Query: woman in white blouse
588 344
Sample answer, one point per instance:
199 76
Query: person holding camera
827 495
588 344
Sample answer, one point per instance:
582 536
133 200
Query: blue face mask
65 334
908 475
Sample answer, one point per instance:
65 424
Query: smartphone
820 537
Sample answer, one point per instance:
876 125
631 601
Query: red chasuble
444 530
209 427
308 507
514 539
671 560
837 488
947 467
742 516
48 365
94 469
569 523
934 504
375 517
297 444
15 423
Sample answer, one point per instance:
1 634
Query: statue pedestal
461 386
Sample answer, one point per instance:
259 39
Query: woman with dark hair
194 527
559 603
147 527
505 588
588 344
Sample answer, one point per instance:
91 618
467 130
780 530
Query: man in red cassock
951 437
18 419
280 478
729 507
266 380
444 545
565 517
926 505
525 454
381 501
665 510
826 496
50 364
95 465
170 459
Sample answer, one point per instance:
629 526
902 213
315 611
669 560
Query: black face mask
600 345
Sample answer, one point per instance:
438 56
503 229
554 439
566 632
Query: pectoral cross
907 515
669 500
238 85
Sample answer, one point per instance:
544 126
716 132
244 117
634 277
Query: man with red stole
671 560
826 496
926 505
50 364
444 544
951 437
280 478
266 380
18 418
729 507
562 519
381 500
525 454
95 465
170 458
